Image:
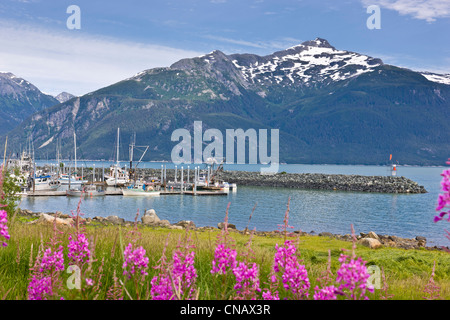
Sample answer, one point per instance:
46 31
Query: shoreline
150 219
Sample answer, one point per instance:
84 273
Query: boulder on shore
115 220
221 225
370 243
150 218
48 219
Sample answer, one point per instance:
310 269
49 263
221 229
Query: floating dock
119 193
63 193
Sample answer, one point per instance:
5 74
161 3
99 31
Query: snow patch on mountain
309 62
439 78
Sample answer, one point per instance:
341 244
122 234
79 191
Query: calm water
402 215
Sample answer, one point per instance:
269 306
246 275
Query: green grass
407 271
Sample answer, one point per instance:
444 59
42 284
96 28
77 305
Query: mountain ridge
331 106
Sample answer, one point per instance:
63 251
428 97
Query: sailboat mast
118 137
75 144
117 166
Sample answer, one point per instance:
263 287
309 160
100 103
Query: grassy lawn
406 271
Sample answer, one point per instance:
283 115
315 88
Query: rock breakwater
313 181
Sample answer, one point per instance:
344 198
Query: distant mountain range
331 106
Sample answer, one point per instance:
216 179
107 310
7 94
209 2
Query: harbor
310 210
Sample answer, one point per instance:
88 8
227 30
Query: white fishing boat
86 191
44 183
141 189
65 179
117 176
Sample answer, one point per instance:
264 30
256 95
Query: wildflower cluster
177 279
293 275
224 254
52 260
352 277
326 293
184 274
444 198
135 261
4 227
224 259
3 214
79 252
40 288
247 275
47 267
247 279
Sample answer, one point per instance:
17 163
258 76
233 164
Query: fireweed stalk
224 255
3 214
78 247
432 290
443 206
286 267
46 281
247 276
327 290
4 227
135 263
182 271
176 279
352 275
161 284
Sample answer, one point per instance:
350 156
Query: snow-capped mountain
308 63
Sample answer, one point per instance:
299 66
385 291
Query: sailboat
69 179
117 176
140 187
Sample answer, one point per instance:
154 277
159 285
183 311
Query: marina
405 215
324 198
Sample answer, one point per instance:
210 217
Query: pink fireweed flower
161 287
39 288
353 276
268 295
134 261
89 282
184 274
52 260
177 279
326 293
444 198
79 252
294 276
3 226
224 259
247 279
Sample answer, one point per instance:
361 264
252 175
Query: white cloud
277 44
77 63
428 10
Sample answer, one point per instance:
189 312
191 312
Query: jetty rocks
318 181
307 181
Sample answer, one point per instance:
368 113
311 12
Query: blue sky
118 39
